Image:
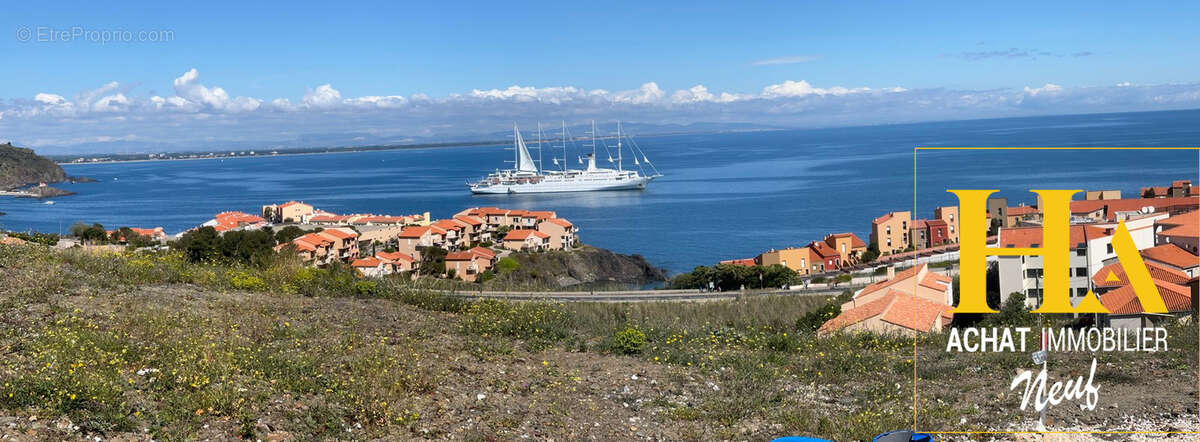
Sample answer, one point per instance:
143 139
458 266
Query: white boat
528 176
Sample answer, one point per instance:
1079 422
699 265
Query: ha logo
1055 252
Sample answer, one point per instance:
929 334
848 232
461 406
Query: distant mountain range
345 140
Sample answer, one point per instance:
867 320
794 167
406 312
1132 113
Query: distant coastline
64 160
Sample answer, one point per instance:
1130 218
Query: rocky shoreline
582 268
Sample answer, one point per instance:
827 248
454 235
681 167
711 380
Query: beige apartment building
890 232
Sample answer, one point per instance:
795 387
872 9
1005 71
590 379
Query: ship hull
562 187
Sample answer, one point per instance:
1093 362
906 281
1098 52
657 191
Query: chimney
891 272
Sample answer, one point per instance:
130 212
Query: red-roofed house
1118 296
156 234
414 238
1175 257
1181 230
469 264
939 232
400 262
916 299
949 214
289 212
823 256
563 234
531 240
226 221
848 246
371 267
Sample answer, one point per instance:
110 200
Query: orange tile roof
1133 204
883 218
446 224
340 233
855 241
461 256
290 204
539 214
1172 255
469 220
1124 301
483 251
315 239
902 310
523 234
1158 272
560 222
1026 237
413 232
1185 224
823 250
1021 210
884 284
858 314
366 262
394 256
897 308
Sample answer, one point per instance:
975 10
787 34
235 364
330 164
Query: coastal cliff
581 268
20 167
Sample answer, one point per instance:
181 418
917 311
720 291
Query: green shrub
629 341
243 280
366 288
507 265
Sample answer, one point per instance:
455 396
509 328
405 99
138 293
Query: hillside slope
20 166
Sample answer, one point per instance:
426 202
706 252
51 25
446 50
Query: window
1080 292
888 229
889 242
1110 250
1081 271
843 248
1080 251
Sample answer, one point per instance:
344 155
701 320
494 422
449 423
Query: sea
722 195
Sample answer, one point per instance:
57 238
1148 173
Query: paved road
645 295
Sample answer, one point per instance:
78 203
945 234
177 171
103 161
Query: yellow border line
914 260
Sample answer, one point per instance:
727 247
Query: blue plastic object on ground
903 436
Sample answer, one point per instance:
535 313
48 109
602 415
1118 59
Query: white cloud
111 103
648 93
323 96
198 115
1049 88
791 59
801 88
198 95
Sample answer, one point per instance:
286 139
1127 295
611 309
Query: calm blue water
723 196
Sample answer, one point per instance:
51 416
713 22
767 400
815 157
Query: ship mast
618 145
516 147
540 168
564 143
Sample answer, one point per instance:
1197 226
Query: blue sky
855 60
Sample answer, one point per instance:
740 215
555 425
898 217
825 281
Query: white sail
524 159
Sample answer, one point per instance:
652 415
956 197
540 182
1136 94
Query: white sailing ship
528 176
